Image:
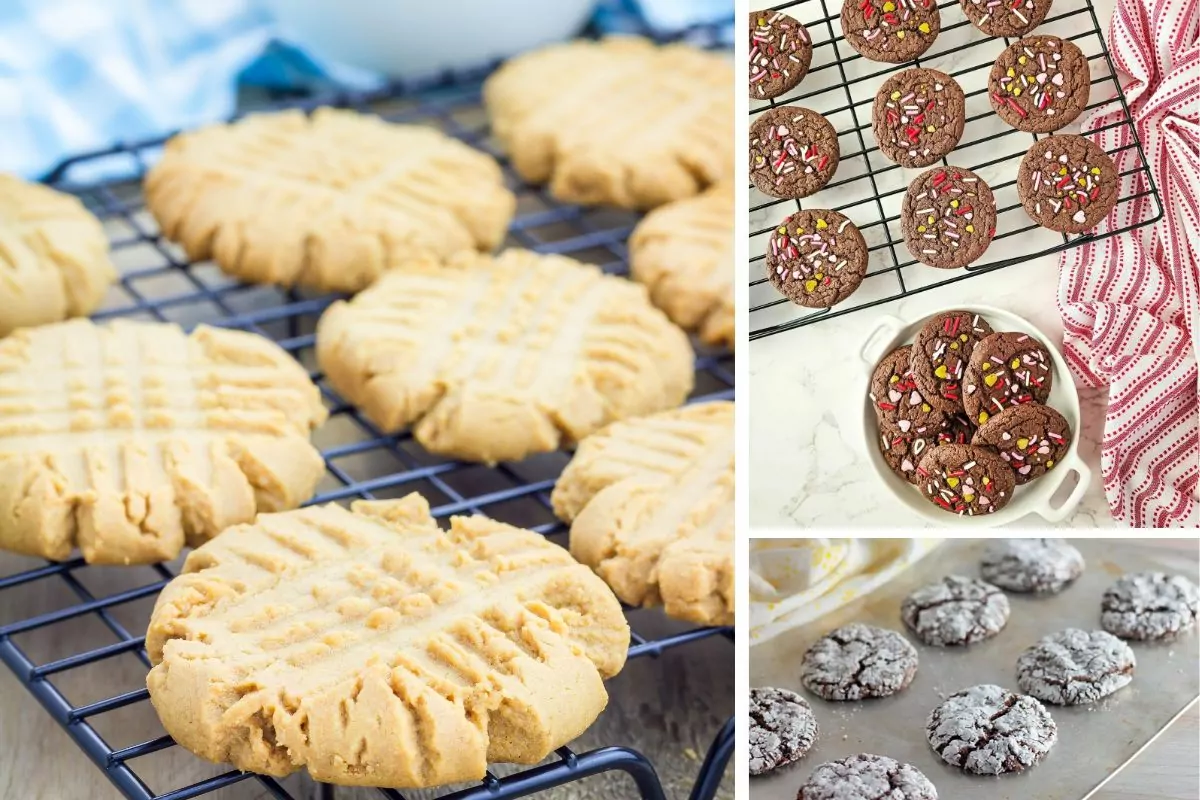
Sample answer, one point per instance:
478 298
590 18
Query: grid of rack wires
517 493
868 188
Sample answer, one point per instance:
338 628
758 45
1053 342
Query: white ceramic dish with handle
1032 498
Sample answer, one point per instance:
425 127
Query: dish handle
879 337
1076 465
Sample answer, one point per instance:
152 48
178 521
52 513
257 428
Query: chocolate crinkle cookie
1045 566
867 777
955 610
989 730
1073 666
859 661
782 728
1149 606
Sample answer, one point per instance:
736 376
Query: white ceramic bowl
1032 498
406 39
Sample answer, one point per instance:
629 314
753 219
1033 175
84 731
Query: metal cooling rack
517 493
841 84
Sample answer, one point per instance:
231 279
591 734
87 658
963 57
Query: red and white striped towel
1131 304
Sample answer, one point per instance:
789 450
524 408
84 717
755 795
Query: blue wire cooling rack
517 493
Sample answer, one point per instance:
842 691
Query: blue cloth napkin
81 75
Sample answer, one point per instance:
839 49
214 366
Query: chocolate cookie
941 351
893 31
867 777
954 611
1006 370
918 116
903 444
1149 605
780 52
1067 183
816 258
964 479
1001 18
1073 666
858 661
793 152
989 730
895 396
1046 566
782 728
948 217
1032 438
1039 84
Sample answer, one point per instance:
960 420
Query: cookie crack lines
129 439
859 661
438 651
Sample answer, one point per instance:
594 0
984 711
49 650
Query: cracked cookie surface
859 661
1149 605
782 728
1074 666
955 610
989 730
1031 565
867 777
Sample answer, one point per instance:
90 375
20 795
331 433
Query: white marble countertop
808 458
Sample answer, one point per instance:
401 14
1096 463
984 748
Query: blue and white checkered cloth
81 75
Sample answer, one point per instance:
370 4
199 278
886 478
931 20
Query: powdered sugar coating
782 728
1031 565
955 610
859 661
989 730
1074 666
1149 605
867 777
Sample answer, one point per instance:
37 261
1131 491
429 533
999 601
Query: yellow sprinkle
968 497
962 336
895 95
1011 72
924 406
782 231
990 380
888 7
758 159
941 371
822 224
810 285
923 27
899 34
1095 170
1081 182
819 275
931 219
1050 464
894 379
970 229
1022 443
1062 171
952 481
1016 91
1021 59
1016 362
954 204
930 128
986 480
983 417
921 229
799 230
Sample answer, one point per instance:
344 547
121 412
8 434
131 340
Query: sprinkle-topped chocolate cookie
948 217
1032 438
780 52
1010 18
941 351
1006 370
893 31
1039 84
896 397
793 152
1067 183
966 480
918 116
816 258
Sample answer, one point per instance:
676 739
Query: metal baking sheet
1094 741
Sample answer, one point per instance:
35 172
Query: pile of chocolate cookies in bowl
962 413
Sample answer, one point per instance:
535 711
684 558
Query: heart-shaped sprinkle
1006 436
1022 443
904 425
1057 80
914 399
906 465
990 380
1025 469
941 372
894 396
952 482
1078 216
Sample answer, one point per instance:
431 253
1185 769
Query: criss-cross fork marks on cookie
128 439
495 359
650 502
374 648
327 201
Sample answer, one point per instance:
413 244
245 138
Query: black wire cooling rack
517 493
868 188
